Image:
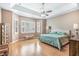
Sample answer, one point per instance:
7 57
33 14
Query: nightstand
74 47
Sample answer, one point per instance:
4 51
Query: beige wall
0 28
64 22
7 19
44 22
0 15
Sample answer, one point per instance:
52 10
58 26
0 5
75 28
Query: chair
4 49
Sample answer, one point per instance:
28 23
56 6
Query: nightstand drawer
74 47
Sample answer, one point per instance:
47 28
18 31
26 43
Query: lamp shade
75 26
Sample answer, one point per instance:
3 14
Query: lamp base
77 35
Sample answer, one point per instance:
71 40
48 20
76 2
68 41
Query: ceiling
37 6
34 9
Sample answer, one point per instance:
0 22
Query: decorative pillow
61 33
58 33
52 33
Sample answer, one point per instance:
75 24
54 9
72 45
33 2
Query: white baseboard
13 41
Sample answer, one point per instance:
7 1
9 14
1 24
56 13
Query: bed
56 39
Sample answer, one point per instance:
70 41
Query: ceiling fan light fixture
43 15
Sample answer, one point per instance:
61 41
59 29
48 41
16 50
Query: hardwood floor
34 47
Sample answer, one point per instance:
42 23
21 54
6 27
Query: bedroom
38 31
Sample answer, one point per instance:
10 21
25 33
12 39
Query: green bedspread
53 38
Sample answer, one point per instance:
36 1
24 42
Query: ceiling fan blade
47 15
43 12
49 11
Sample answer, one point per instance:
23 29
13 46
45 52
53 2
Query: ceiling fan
44 12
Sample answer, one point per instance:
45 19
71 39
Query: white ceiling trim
26 14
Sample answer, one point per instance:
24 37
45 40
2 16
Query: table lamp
75 26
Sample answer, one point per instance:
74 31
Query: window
27 26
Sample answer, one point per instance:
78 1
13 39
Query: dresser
74 47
